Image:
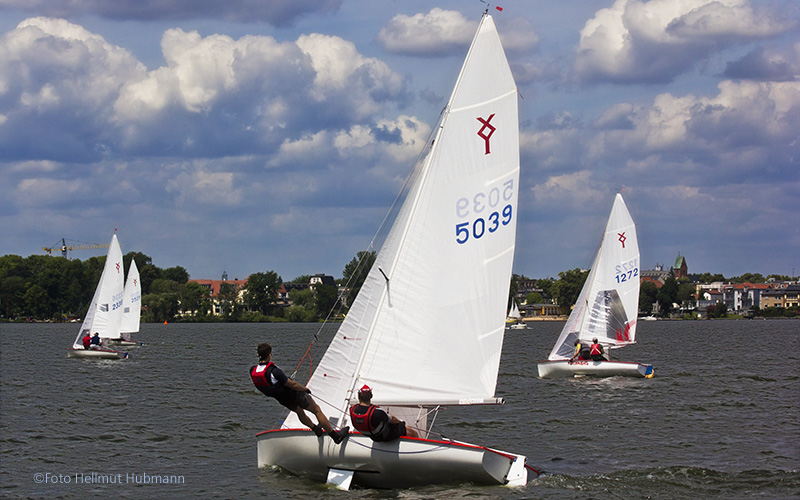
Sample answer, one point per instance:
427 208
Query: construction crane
64 247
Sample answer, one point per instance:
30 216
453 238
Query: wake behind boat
457 225
607 307
105 312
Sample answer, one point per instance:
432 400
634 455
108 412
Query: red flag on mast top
499 8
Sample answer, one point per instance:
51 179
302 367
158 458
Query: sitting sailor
96 343
371 421
582 351
597 351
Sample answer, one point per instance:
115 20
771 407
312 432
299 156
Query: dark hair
264 350
365 397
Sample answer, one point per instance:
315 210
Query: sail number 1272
627 271
486 212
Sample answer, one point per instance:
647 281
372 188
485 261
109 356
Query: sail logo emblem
117 264
482 132
622 238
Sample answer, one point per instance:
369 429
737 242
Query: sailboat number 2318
487 203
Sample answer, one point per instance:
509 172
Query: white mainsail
105 311
607 307
131 303
403 337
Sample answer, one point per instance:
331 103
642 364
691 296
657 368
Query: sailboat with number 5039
416 351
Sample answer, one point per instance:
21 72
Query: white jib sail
131 303
409 341
105 311
607 307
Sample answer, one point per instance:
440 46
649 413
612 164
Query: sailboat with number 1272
606 309
416 351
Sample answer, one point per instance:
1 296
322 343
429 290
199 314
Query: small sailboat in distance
456 225
514 320
606 308
105 311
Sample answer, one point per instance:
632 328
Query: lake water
720 419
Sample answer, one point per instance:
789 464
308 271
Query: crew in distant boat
87 341
371 421
597 351
95 342
582 351
270 380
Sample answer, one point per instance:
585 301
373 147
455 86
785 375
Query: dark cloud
763 64
274 12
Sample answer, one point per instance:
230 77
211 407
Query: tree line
47 288
43 287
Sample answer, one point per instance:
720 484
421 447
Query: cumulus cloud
653 42
215 96
445 32
58 85
744 124
275 12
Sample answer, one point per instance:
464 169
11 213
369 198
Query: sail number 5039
484 212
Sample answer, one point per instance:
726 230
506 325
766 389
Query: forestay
406 338
608 304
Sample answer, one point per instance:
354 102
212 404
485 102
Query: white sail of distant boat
514 314
416 348
105 311
607 306
131 308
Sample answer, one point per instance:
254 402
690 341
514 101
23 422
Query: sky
249 136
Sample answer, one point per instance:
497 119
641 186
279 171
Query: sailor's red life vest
262 379
596 350
87 341
363 421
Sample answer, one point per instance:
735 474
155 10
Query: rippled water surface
721 418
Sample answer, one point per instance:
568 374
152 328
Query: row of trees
45 287
41 287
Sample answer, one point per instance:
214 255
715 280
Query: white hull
563 369
96 354
402 463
